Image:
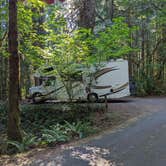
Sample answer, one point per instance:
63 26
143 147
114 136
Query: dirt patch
117 113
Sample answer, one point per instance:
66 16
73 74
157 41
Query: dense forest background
134 30
62 38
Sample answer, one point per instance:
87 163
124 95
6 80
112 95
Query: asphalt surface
141 142
138 142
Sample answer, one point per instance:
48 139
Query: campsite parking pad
139 141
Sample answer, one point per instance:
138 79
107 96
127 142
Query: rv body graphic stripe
116 90
109 86
120 88
52 91
103 71
102 87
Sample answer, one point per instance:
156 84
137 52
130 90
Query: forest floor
120 115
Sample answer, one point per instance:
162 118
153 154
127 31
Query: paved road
138 143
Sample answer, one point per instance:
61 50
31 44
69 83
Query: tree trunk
110 9
87 14
13 130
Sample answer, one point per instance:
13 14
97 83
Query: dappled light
94 156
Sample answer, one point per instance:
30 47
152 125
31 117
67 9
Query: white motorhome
111 80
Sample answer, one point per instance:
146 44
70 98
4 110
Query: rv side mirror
111 90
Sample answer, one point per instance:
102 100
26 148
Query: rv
110 80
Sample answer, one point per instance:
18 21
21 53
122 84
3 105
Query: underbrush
48 125
150 85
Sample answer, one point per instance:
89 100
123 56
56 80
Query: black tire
38 94
92 97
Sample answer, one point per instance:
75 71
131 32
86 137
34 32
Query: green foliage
49 124
65 132
148 63
78 128
3 115
27 142
35 118
56 133
148 84
29 38
67 121
85 47
112 42
81 48
3 27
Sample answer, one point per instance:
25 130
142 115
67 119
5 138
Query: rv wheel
36 98
92 97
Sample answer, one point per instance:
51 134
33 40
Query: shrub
56 133
27 142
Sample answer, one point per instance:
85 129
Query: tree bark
110 9
87 14
13 130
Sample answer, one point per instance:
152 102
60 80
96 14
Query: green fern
56 133
79 128
25 144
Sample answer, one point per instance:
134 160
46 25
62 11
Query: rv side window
50 82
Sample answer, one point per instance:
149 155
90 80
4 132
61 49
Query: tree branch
3 38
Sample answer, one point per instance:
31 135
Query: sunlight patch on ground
94 155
